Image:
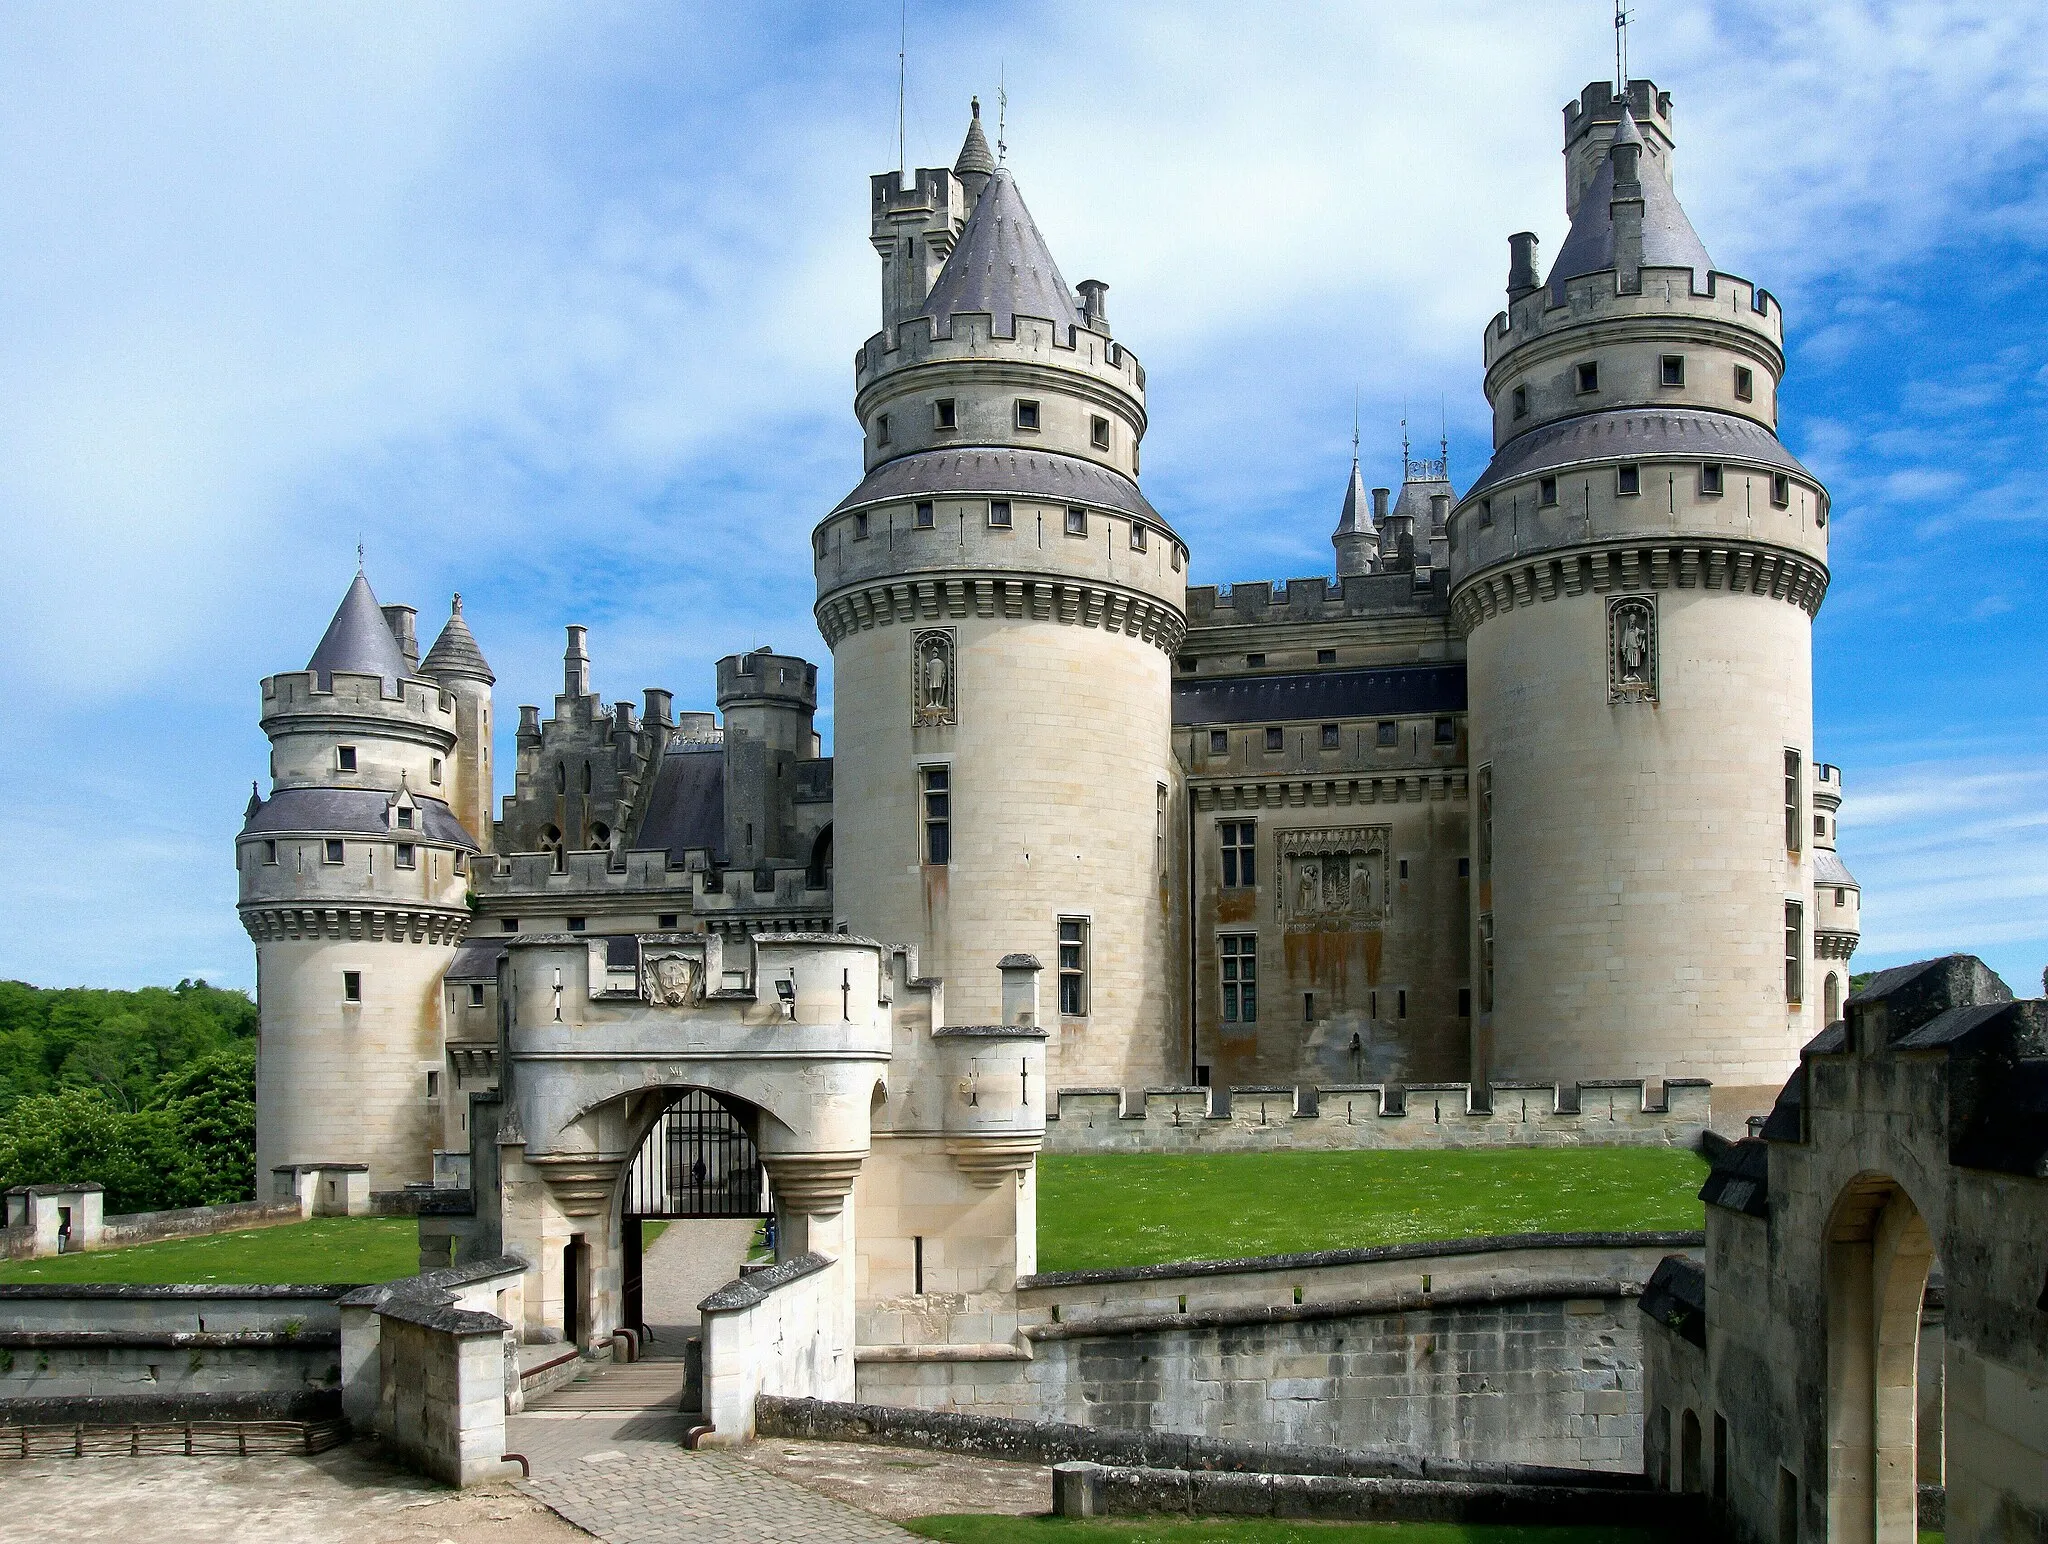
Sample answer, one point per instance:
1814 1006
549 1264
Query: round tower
1837 898
768 701
1636 574
1003 605
459 665
353 881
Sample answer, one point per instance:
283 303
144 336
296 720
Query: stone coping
1366 1256
990 1032
751 1291
333 1168
1019 962
171 1340
416 1308
165 1292
440 1279
56 1190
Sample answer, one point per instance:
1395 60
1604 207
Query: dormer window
1628 481
1588 375
345 758
1027 413
1671 370
1710 478
944 414
1098 432
999 514
404 819
881 428
922 516
1745 384
1521 402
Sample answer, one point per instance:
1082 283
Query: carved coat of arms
670 980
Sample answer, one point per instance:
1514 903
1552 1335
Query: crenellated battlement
1338 1117
1664 296
1291 602
295 702
918 341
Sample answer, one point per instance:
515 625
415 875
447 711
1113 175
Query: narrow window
1546 492
1333 737
1793 962
1710 478
1275 739
1745 384
1464 868
1027 413
1841 896
1486 962
1098 432
860 526
1588 377
1485 513
999 514
1388 734
1447 731
666 921
1831 998
1219 742
586 777
1792 821
434 770
1326 656
1404 868
1671 370
433 1085
407 855
922 518
1401 1003
1308 1007
269 851
577 924
1521 400
1240 866
1073 966
334 853
1240 958
405 820
1820 825
1464 1002
944 414
476 994
1720 1457
345 758
1138 536
1174 557
461 863
1628 481
881 428
351 986
1077 522
561 778
938 814
509 924
1255 662
1781 489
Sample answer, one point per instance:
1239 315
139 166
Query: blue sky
556 305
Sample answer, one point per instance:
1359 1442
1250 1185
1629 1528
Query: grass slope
1249 1530
351 1249
1151 1209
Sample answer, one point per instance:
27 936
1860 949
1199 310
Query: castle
1525 794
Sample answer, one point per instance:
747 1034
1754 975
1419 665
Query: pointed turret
1631 194
1355 538
455 652
359 640
975 165
1001 266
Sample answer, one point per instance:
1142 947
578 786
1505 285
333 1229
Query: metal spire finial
1621 21
902 79
359 554
1002 115
1354 427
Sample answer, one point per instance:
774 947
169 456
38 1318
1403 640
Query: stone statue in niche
1311 888
670 980
933 684
1632 648
1361 881
1337 876
1337 882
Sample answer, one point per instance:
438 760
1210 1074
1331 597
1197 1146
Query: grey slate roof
1741 1178
359 640
1001 266
1829 869
1001 471
1356 519
350 812
686 804
1413 501
455 652
476 961
1669 241
974 156
1676 1297
1271 699
1637 434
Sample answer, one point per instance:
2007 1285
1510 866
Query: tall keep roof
455 652
1001 266
359 640
1669 241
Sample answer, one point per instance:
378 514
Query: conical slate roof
974 156
1357 517
455 652
1669 240
359 640
1001 266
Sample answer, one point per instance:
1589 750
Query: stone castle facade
1525 793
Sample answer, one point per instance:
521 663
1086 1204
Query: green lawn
351 1249
1250 1530
1151 1209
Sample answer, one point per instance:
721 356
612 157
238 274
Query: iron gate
697 1161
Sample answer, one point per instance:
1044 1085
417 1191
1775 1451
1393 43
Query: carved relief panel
671 980
1336 875
933 686
1632 648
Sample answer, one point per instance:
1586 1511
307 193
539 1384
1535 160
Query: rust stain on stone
1237 905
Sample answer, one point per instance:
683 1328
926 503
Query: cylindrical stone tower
459 665
353 880
1636 574
1003 607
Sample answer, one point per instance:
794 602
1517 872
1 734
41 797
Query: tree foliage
150 1093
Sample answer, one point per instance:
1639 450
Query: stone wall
195 1221
1445 1115
781 1331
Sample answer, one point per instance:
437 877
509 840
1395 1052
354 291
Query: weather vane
1002 115
1621 21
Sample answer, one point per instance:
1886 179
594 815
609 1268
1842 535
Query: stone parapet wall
196 1221
1368 1116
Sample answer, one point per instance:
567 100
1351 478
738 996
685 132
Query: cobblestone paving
628 1480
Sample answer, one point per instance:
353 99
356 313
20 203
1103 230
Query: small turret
975 165
1356 539
768 701
459 665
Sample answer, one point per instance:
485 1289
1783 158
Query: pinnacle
455 652
974 156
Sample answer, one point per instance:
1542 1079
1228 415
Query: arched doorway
1879 1258
698 1161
